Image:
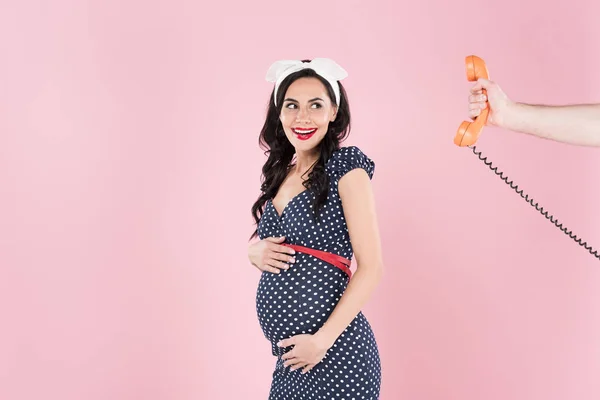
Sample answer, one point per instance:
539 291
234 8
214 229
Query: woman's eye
294 106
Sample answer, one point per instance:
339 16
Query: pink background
129 163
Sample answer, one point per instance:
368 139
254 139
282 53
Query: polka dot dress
300 300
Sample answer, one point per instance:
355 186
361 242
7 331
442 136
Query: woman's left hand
308 351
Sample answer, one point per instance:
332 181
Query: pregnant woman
315 213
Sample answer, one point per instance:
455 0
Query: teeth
304 131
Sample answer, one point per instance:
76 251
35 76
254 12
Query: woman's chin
305 144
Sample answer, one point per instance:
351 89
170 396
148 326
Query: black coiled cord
535 205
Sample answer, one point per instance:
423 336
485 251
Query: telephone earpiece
469 132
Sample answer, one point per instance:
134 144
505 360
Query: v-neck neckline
279 216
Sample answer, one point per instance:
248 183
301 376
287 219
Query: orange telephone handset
469 132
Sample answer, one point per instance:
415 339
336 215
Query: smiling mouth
304 131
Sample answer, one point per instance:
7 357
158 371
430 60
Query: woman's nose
302 116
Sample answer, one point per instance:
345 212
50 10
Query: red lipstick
304 133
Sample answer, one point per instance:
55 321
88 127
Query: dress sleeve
348 158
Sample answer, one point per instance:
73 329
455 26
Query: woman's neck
305 161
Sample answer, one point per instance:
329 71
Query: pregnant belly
298 300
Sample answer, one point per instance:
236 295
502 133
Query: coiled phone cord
535 205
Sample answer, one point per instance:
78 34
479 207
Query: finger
270 256
280 265
478 97
292 362
273 255
298 365
276 264
474 113
280 249
269 268
477 88
482 83
282 257
275 239
284 249
476 107
266 266
308 368
289 355
287 343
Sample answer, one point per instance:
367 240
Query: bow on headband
325 67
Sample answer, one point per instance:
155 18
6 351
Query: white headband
326 68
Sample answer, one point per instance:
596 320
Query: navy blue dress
300 300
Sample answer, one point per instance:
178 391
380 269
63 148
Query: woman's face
306 113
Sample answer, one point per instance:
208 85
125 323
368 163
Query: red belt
338 261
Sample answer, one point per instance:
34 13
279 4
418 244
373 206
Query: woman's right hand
270 256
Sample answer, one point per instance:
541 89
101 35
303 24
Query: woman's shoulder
347 158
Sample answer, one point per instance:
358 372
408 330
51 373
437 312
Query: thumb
482 83
276 239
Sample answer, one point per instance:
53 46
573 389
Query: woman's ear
334 114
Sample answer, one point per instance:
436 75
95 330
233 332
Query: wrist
510 115
326 336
